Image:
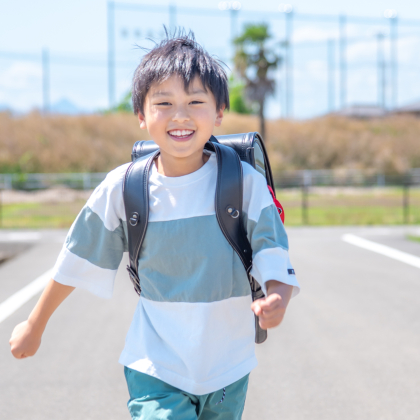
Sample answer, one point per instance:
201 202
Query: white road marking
382 249
20 236
14 302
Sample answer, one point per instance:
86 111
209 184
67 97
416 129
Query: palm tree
253 61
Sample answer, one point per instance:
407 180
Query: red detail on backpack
277 204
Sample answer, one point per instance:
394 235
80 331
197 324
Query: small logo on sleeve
291 271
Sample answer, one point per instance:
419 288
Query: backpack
229 150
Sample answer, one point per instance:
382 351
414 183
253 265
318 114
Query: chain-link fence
350 197
328 62
310 197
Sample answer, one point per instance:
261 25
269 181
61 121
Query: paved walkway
348 348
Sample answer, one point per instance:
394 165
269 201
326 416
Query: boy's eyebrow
190 92
162 93
194 92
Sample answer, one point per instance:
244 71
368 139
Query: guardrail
347 178
304 180
80 181
284 179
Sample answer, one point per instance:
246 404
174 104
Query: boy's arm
271 265
272 308
26 337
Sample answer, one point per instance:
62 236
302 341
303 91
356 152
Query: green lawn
40 215
325 207
351 207
414 238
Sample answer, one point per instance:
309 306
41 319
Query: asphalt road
349 347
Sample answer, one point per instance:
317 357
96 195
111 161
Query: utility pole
289 64
233 31
381 70
172 17
331 74
394 59
111 54
233 23
45 81
343 63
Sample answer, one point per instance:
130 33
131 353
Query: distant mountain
66 107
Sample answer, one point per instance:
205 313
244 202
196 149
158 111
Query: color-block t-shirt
193 327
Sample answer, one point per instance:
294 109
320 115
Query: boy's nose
181 115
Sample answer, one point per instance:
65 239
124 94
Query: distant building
413 109
363 111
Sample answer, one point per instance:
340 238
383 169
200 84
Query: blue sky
75 33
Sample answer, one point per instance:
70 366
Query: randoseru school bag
229 150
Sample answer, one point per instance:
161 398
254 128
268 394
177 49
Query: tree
125 104
237 98
253 61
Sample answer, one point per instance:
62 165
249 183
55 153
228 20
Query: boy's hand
25 341
272 308
26 337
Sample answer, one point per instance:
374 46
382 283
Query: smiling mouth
181 134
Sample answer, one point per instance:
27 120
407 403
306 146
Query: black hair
179 54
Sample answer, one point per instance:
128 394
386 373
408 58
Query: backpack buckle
234 213
134 219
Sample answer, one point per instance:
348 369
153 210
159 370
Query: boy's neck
172 166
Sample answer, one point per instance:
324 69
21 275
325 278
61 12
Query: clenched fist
25 341
272 308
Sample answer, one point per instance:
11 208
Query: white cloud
21 85
365 50
313 34
21 75
408 50
312 71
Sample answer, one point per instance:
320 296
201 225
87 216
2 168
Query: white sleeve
96 241
266 233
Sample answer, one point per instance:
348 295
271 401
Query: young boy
190 347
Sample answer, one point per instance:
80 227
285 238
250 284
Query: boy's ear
219 116
142 121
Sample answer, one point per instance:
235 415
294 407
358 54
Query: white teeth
180 133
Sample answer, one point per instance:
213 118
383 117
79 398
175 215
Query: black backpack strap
228 205
228 201
136 201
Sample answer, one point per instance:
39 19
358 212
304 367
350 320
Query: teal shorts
153 399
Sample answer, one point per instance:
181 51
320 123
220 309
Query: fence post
8 182
86 181
306 181
406 199
1 206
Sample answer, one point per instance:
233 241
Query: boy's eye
163 103
196 102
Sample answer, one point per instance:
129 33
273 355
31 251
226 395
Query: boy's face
180 122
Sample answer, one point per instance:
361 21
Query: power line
263 14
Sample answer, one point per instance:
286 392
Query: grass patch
413 238
326 207
350 207
40 215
